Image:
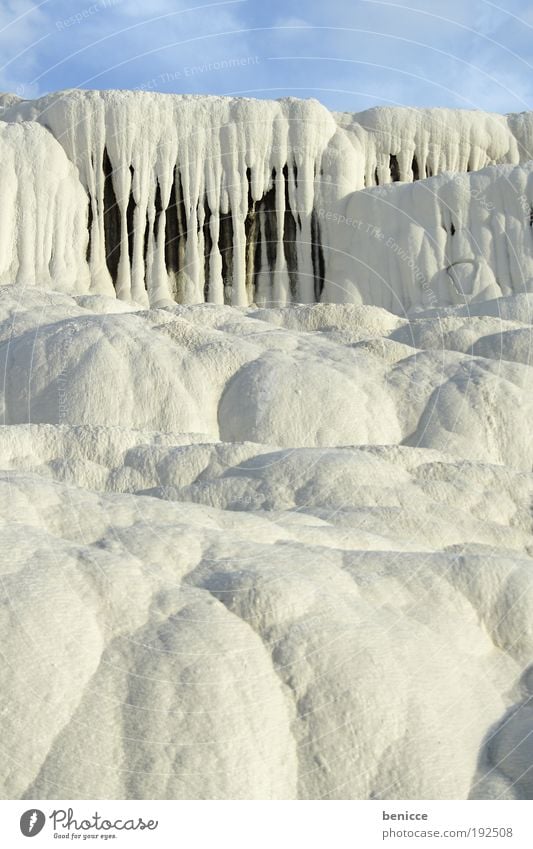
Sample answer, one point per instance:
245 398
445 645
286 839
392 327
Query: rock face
266 450
265 552
234 201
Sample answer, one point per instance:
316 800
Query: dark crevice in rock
251 229
158 209
182 223
319 266
268 211
130 217
89 227
145 246
208 245
172 232
225 245
289 239
394 168
111 220
415 168
175 231
257 256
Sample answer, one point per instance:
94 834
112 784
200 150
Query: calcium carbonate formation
238 201
265 553
284 550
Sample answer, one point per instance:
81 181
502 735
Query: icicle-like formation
184 190
227 200
43 212
407 144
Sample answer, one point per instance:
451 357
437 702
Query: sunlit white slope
265 553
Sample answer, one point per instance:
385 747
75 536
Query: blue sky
350 54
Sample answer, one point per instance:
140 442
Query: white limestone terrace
265 553
238 201
265 450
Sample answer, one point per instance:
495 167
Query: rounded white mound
265 553
238 375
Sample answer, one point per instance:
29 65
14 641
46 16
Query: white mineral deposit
266 487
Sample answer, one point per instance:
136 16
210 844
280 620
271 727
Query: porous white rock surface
265 553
